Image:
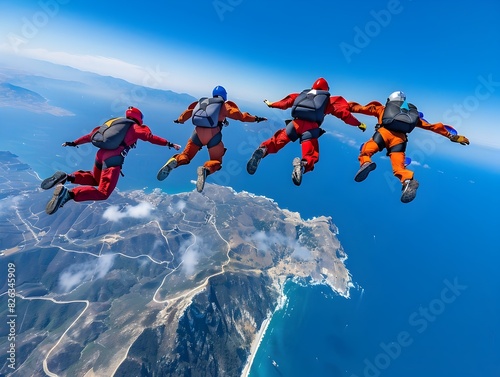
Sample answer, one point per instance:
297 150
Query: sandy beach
255 345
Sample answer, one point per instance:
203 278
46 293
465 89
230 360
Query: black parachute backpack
400 116
206 112
112 133
310 105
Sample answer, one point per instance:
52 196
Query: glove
177 121
459 139
69 144
268 103
172 145
260 119
362 127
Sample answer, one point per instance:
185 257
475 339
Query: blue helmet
220 91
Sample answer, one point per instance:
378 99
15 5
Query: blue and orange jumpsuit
204 136
383 138
337 106
106 172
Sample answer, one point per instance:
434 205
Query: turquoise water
426 300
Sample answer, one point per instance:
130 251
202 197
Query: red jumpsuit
106 178
390 138
229 110
337 106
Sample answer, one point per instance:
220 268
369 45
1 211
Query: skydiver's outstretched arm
283 104
339 108
232 111
86 138
440 129
373 108
186 114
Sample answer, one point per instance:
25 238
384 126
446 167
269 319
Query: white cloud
9 203
140 211
343 138
266 241
180 205
79 273
191 256
101 65
301 253
190 261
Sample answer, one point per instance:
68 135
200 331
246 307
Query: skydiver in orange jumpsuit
395 120
208 116
308 111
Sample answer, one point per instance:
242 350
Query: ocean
425 299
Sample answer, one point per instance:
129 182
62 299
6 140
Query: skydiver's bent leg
276 142
398 166
215 154
310 154
108 180
87 178
366 165
367 151
188 153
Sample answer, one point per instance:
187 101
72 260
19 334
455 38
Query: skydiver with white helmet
395 120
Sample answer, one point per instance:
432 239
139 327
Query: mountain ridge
183 288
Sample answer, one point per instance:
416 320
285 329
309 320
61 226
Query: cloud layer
80 273
140 211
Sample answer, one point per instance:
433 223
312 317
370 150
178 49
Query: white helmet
397 96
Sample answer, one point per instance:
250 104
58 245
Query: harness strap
215 140
290 130
401 147
312 134
113 161
377 138
196 140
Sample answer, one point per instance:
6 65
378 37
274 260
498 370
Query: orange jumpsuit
337 106
204 135
390 139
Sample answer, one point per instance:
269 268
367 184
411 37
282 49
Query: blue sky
442 54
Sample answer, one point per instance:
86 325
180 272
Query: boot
166 169
364 170
409 189
202 175
59 198
254 161
57 177
298 170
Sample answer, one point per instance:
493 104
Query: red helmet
135 114
321 84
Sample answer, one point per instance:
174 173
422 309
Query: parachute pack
310 105
112 133
206 112
400 116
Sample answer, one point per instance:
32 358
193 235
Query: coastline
256 344
282 299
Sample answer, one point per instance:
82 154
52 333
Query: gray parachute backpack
400 116
310 105
112 133
206 112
